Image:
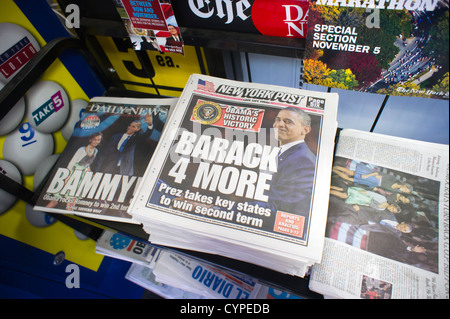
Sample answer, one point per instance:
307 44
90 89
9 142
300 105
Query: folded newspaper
387 227
198 277
242 170
120 246
143 276
173 275
104 160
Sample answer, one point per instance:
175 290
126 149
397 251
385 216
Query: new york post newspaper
242 170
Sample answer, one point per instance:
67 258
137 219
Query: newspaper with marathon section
242 170
387 227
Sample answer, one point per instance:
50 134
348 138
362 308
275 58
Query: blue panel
28 272
357 110
43 19
416 118
313 87
275 70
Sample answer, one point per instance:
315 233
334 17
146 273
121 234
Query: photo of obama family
385 212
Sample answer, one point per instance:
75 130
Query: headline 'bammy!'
91 185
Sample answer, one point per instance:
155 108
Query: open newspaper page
245 165
387 228
103 162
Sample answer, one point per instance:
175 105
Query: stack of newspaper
200 278
242 170
216 284
173 275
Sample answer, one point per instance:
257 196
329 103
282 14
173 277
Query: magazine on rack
103 162
242 170
151 25
387 227
386 47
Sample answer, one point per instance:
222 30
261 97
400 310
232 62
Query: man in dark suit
119 155
291 186
175 38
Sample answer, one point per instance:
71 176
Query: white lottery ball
38 218
17 47
77 108
47 106
7 199
27 148
13 118
80 236
43 169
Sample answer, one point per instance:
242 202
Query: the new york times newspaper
387 228
104 160
244 163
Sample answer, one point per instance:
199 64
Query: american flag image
205 86
349 234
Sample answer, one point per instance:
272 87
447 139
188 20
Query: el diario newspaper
103 162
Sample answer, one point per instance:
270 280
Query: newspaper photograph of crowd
385 212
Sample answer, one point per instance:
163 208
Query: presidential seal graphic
207 112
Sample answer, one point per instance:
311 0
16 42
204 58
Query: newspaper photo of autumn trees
380 50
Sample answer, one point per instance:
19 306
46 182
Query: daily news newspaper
387 228
220 169
103 162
